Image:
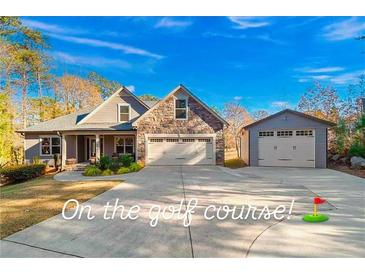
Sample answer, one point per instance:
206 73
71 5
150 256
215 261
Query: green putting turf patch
315 218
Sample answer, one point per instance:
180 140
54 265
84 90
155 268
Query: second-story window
181 109
124 112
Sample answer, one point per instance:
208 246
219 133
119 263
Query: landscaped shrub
134 167
115 165
23 172
126 160
107 172
357 149
36 160
123 170
92 171
104 162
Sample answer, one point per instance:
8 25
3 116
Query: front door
91 147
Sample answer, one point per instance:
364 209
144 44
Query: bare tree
260 114
237 116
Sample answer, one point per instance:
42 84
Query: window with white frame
50 145
181 109
124 112
124 145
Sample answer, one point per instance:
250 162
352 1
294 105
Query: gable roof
306 116
59 123
124 89
190 94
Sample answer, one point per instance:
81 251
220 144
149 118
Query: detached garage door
180 151
287 148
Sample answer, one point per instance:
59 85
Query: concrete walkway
342 236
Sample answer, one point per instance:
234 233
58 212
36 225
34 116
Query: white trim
107 100
129 110
50 144
186 108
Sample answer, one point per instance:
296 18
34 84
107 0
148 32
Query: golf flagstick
315 217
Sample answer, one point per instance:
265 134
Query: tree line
31 93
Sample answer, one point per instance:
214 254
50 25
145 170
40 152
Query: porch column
97 146
64 151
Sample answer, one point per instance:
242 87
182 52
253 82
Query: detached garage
286 139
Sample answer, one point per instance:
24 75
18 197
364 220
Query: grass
28 203
234 163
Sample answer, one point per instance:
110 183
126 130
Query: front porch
80 148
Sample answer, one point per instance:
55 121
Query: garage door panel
181 151
290 151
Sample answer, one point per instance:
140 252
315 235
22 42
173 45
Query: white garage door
180 151
291 148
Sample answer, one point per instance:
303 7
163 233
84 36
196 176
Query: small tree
341 140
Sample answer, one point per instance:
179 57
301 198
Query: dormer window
124 113
181 109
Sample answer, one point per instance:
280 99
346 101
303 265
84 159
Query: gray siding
81 149
291 121
32 149
108 113
108 145
71 146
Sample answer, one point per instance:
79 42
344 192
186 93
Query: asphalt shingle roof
69 123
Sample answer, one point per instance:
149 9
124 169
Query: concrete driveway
342 236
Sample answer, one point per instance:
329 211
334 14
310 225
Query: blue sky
262 62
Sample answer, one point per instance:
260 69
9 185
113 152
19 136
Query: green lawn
28 203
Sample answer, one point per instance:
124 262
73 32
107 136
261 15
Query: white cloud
346 29
131 88
320 70
168 22
224 35
52 27
238 98
105 44
268 38
347 78
280 104
248 22
100 62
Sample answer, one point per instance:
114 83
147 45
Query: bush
23 172
36 160
123 170
114 165
104 162
126 160
107 172
92 171
134 167
357 149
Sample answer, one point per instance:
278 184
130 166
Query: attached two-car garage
177 150
286 139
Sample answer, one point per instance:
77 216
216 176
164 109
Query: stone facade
161 120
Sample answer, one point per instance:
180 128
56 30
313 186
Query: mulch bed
346 169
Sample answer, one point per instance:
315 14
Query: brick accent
161 120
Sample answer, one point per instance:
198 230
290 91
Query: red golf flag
318 200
